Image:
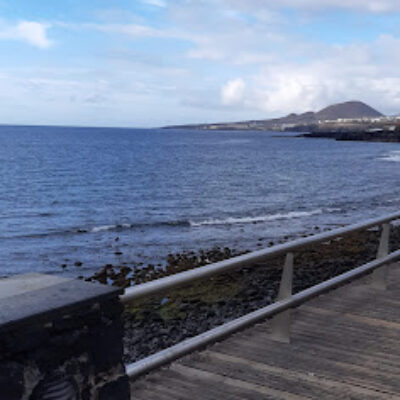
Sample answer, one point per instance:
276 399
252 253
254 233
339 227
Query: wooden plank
314 366
316 378
211 377
345 345
222 390
281 379
310 355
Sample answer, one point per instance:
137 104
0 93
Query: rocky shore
156 323
364 136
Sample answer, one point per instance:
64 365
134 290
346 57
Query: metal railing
280 310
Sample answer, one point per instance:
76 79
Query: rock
228 296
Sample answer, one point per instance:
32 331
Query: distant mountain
347 110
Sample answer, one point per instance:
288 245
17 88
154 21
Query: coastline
132 273
186 312
361 136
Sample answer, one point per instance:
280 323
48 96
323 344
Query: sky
149 63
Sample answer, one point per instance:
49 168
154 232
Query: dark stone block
86 395
17 341
58 350
56 385
112 308
68 332
11 381
118 389
46 298
106 348
70 322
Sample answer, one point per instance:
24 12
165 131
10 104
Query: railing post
281 323
379 276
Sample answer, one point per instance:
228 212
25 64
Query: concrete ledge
60 337
25 298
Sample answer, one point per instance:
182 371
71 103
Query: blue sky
158 62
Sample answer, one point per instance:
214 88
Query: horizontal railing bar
190 345
179 279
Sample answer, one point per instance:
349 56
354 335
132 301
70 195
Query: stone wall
71 352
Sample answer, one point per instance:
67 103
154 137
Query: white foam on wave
103 228
333 210
220 221
109 227
393 156
236 141
260 218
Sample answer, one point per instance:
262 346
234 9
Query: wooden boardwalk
344 345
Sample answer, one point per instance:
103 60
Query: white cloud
34 33
291 88
156 3
373 6
140 31
276 71
368 73
123 95
237 43
134 30
232 92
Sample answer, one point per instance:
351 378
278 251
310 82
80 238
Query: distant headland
351 120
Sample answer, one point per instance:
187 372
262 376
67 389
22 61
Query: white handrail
195 343
179 279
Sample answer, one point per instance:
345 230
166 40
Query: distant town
352 120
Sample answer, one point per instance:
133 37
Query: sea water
107 195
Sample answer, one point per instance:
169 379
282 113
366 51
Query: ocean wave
257 219
393 156
38 235
175 223
28 215
118 227
235 141
334 210
102 228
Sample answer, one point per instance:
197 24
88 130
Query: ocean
106 195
